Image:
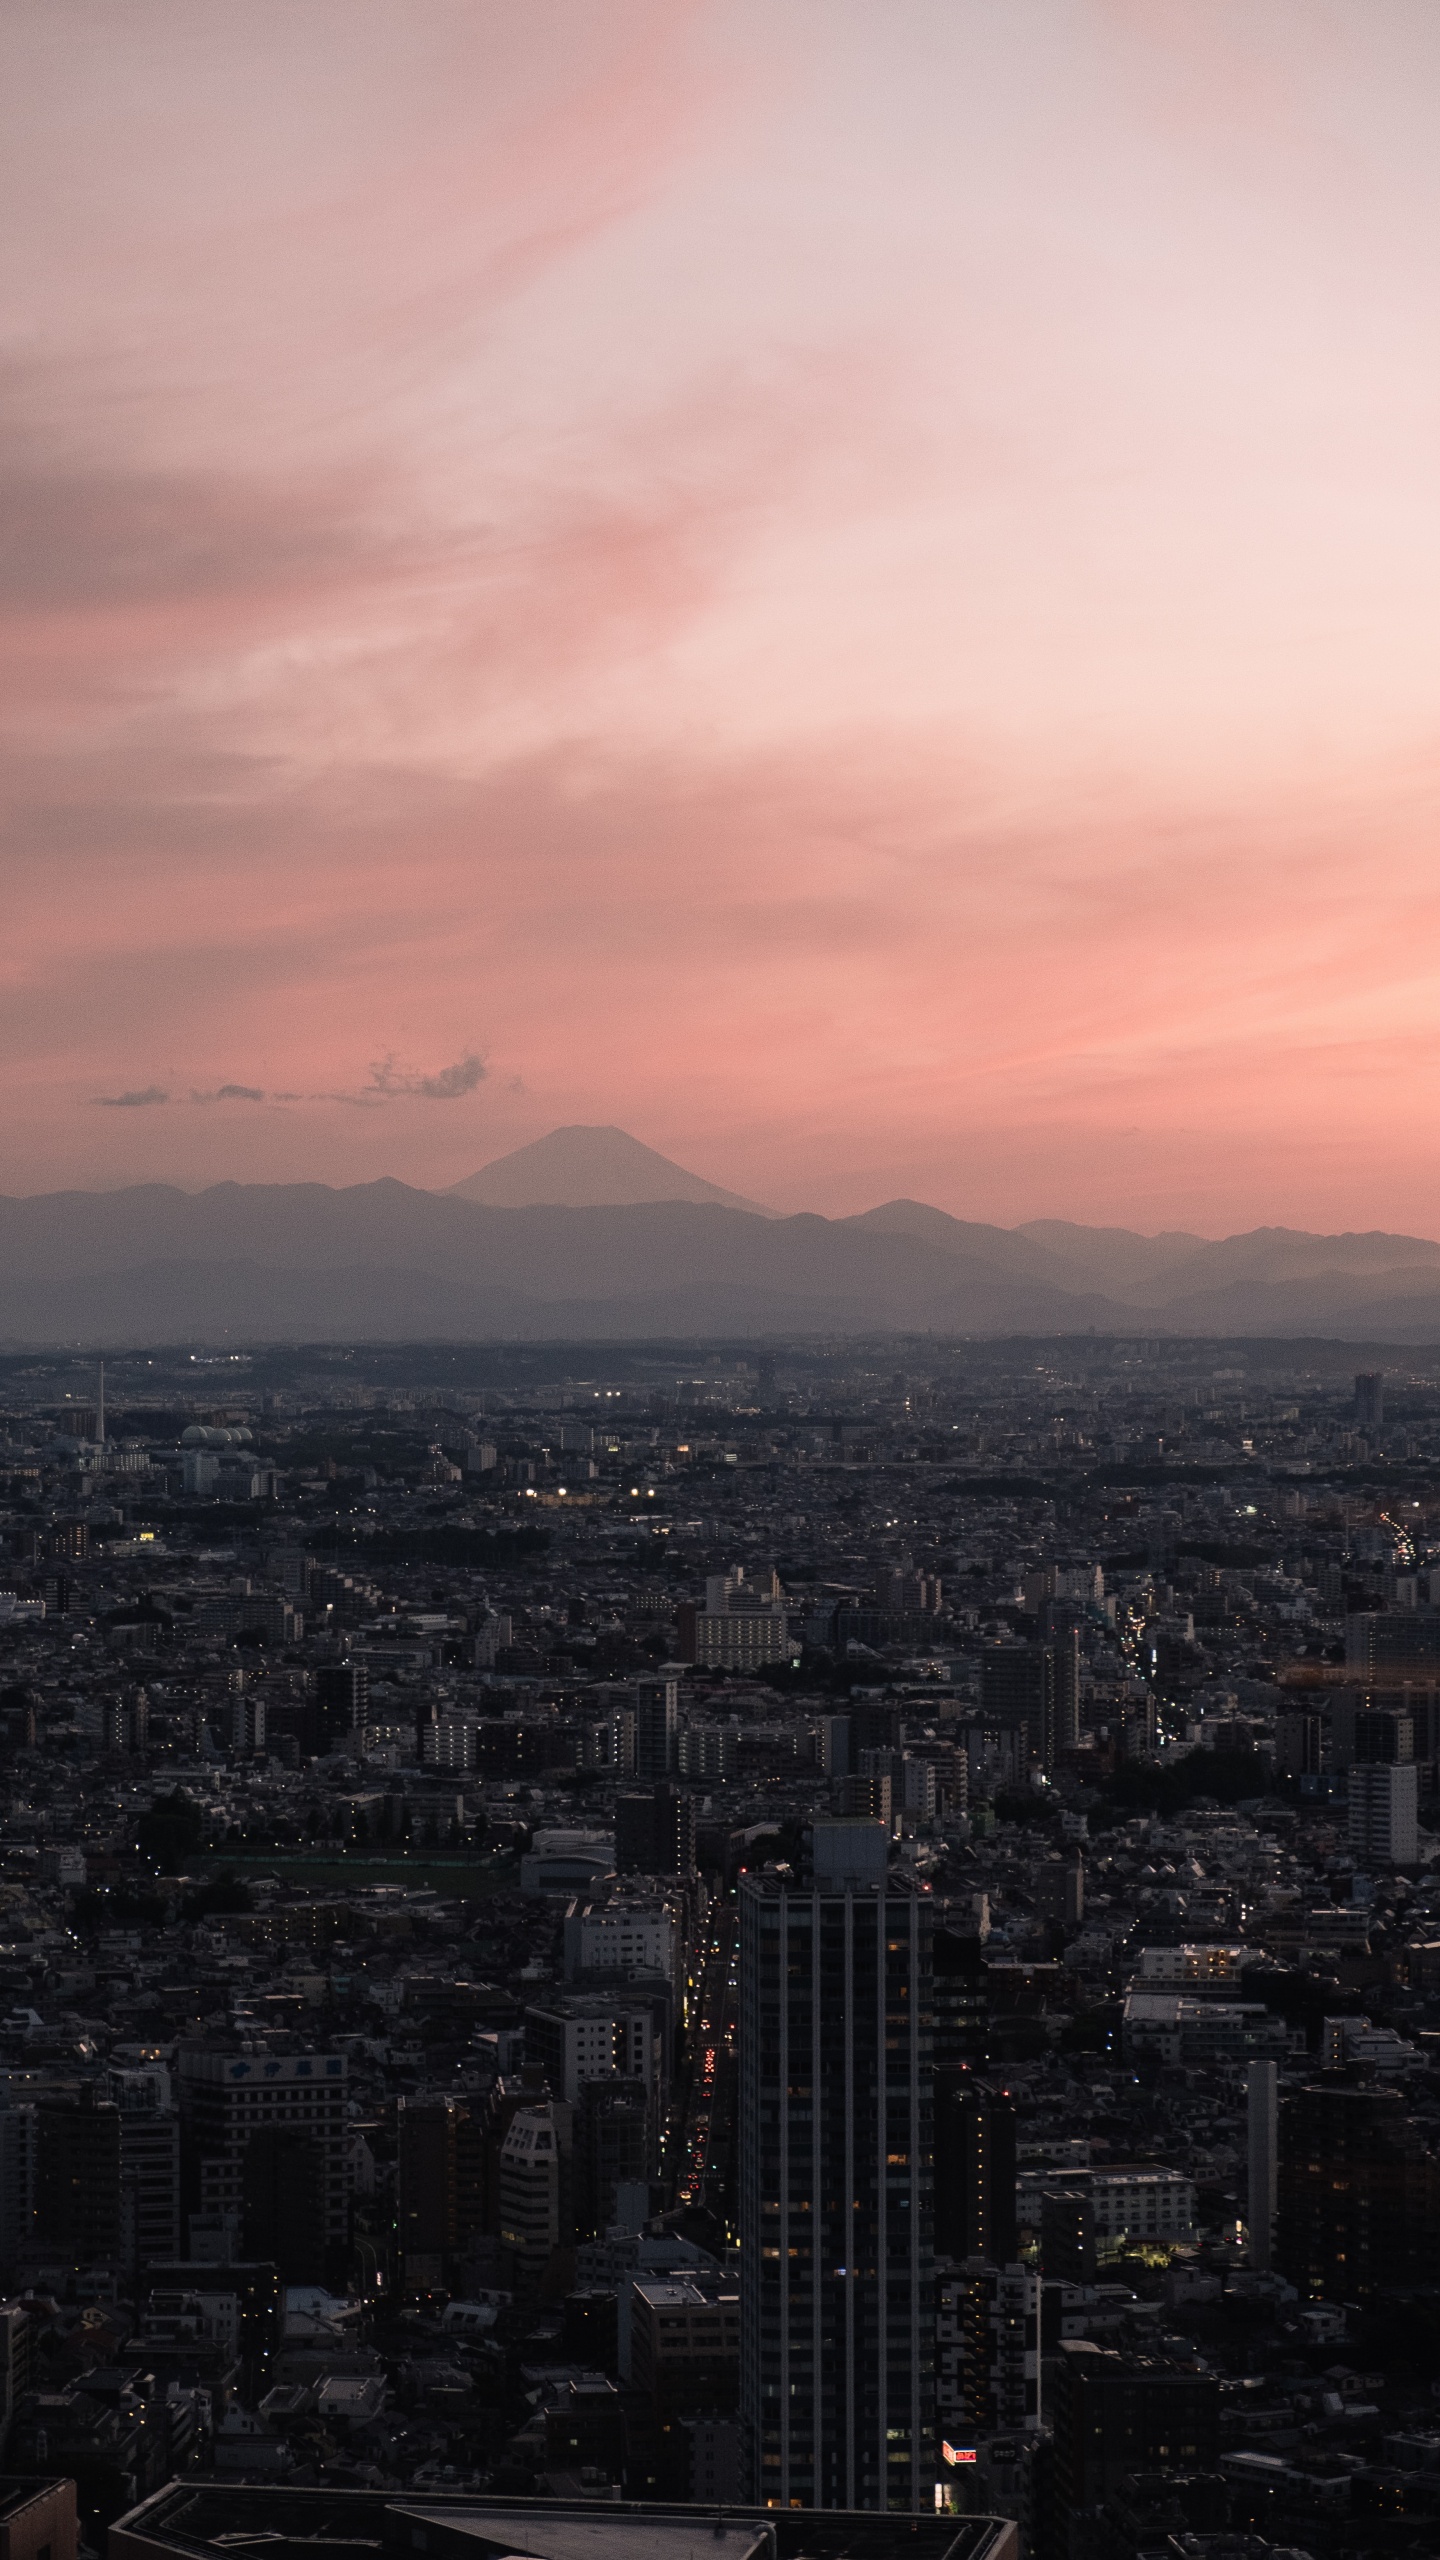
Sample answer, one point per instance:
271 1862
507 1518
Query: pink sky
853 589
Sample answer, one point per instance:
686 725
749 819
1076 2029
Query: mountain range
629 1247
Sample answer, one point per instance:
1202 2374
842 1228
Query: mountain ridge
387 1260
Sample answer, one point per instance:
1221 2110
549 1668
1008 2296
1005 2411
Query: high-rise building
282 2203
1384 1734
961 1996
614 2148
17 2341
227 2098
674 1832
77 2179
1112 2415
974 2169
17 2184
1262 2118
1358 2194
1384 1802
657 1726
1002 2348
835 2145
536 2164
1036 1688
1385 1648
425 2187
655 1833
1369 1399
707 1752
341 1701
247 1722
149 2188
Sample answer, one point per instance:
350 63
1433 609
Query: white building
1384 1797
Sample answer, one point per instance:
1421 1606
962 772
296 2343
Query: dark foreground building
212 2520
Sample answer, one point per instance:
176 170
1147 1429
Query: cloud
389 1083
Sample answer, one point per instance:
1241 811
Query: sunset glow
853 591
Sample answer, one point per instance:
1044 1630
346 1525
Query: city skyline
859 604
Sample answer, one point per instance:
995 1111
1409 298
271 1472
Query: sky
853 589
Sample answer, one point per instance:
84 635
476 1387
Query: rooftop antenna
100 1409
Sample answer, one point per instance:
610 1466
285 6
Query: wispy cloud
388 1082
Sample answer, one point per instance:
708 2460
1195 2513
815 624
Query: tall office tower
835 2141
1262 2115
1358 2194
657 1727
974 2170
1369 1399
1036 1686
1384 1800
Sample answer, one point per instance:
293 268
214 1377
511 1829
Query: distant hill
297 1262
584 1168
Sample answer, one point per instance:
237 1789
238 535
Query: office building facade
837 2275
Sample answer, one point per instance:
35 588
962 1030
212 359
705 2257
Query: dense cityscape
794 1928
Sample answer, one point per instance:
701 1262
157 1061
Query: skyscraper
837 2284
1261 2128
1369 1399
1037 1686
657 1724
